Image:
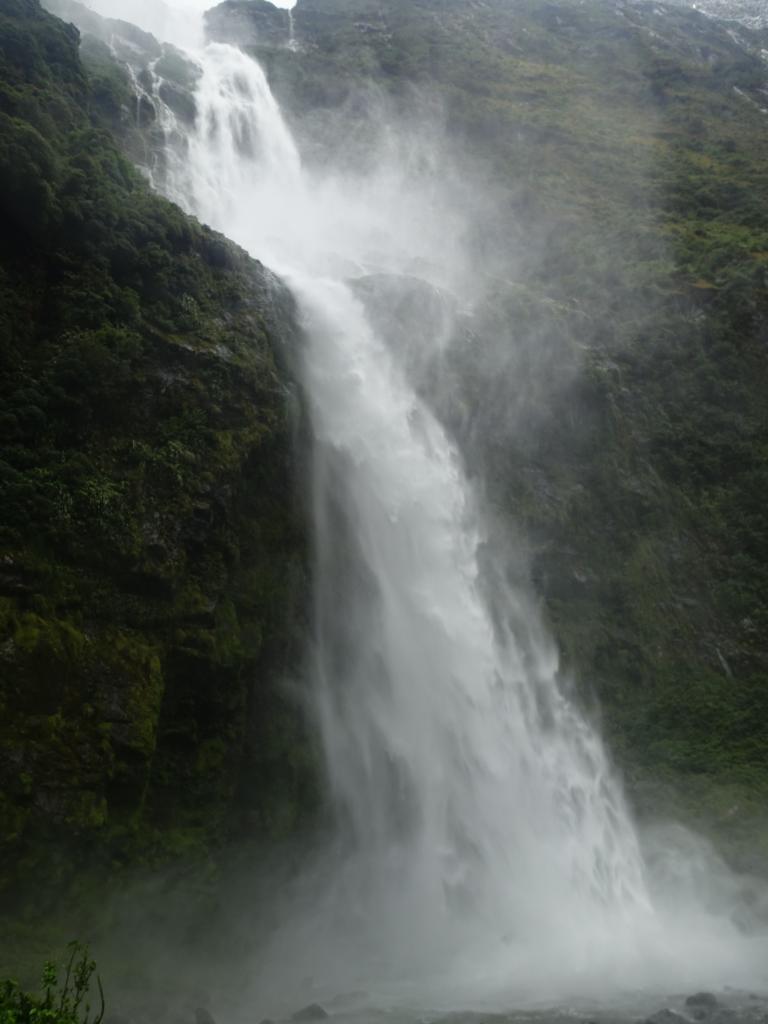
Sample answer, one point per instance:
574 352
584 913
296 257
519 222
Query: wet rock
666 1017
702 1001
404 310
180 101
312 1012
402 306
125 40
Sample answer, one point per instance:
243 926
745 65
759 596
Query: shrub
60 1002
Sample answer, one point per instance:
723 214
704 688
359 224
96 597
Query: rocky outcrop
143 89
248 23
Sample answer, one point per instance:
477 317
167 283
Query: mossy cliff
608 394
153 550
610 390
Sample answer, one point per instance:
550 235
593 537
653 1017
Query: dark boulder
312 1012
666 1016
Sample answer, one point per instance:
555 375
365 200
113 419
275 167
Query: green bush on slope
62 1000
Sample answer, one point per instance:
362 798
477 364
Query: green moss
151 576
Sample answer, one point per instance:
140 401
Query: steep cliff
153 566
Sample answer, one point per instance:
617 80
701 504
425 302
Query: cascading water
486 845
292 44
460 767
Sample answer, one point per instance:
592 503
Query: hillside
153 566
609 393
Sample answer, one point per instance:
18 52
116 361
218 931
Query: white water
175 21
486 850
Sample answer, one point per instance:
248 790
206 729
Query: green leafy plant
64 1001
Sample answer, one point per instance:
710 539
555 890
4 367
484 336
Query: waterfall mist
484 851
174 21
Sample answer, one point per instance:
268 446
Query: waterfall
484 839
470 786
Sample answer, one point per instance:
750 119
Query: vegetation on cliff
152 572
65 994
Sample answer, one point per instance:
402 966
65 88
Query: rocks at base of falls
732 1008
312 1012
666 1016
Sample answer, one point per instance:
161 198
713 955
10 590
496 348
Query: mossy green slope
152 574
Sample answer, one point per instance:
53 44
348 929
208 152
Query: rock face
153 570
405 310
135 81
248 23
666 1016
312 1012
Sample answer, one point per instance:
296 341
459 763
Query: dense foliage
64 1000
152 563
